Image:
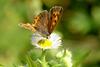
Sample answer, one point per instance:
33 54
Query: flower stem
43 61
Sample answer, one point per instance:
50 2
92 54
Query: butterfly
45 22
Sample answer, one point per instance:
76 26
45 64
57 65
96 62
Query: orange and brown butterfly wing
40 23
54 17
28 26
45 22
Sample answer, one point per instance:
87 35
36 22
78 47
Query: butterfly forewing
54 17
40 23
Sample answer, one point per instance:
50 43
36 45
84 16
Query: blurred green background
79 26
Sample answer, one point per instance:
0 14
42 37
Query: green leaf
30 62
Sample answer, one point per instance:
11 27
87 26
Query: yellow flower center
45 43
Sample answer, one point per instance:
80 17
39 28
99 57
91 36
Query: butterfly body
45 22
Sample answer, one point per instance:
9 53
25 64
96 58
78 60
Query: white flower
53 41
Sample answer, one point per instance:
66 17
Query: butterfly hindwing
28 26
40 23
